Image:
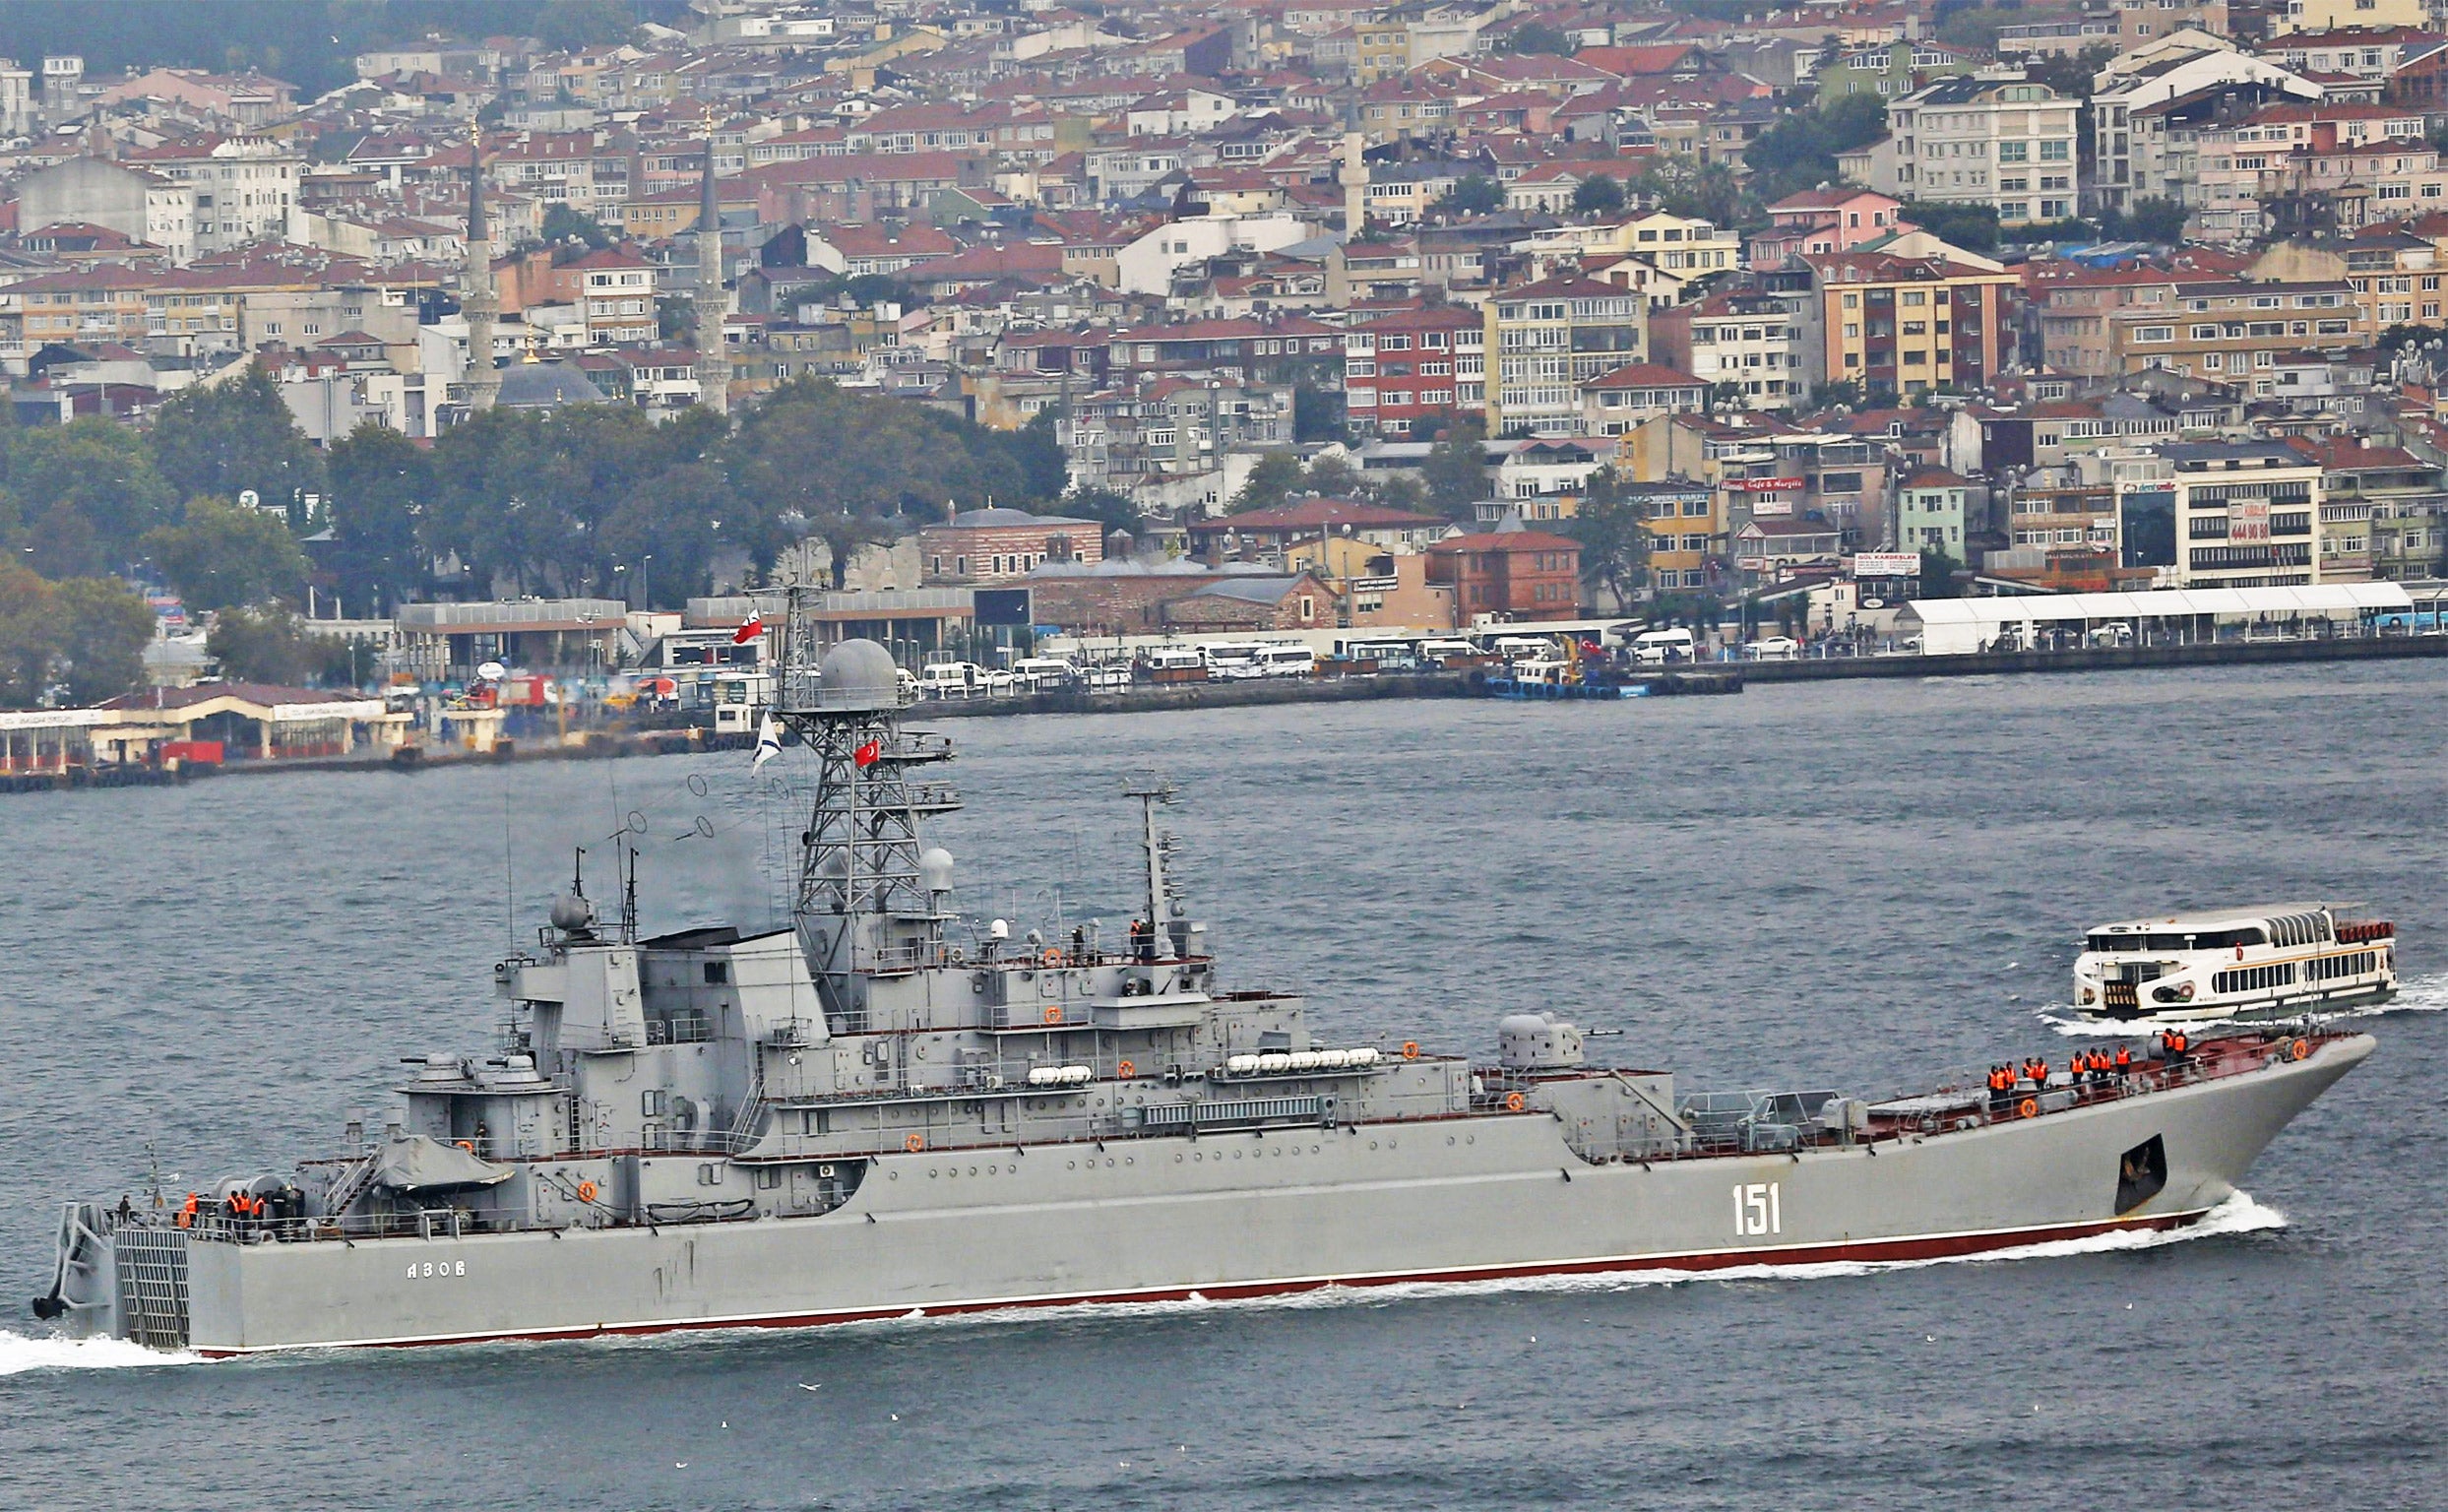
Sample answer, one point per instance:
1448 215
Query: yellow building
1907 325
2336 15
1544 339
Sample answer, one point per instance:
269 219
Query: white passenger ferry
2281 961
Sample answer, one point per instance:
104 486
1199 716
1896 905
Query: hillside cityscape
547 334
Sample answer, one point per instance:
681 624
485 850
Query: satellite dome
858 674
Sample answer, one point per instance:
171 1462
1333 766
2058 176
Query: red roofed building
1509 573
1268 532
1616 402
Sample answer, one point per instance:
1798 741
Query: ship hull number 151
1759 1210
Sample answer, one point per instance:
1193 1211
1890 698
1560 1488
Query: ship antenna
1152 789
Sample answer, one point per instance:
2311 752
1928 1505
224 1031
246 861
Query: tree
1598 195
1109 509
381 483
266 645
1970 226
2070 75
1799 151
1317 414
1614 545
226 439
84 494
1276 475
1684 186
103 629
1472 194
563 224
675 316
1937 579
1538 36
89 633
1455 471
1044 468
566 25
227 554
2151 219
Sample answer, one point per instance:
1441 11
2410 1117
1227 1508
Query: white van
1101 678
1437 652
953 679
1522 647
1656 648
1171 658
1287 661
1037 674
1229 660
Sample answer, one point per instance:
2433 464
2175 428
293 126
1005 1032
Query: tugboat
2276 960
876 1109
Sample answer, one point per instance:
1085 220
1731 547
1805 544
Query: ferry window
718 973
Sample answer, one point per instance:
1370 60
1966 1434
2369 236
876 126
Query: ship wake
2415 995
20 1353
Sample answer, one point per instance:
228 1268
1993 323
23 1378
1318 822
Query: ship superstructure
877 1109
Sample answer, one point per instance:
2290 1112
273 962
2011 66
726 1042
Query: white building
245 188
1146 266
1978 139
2237 515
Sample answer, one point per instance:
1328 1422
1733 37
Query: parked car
1774 647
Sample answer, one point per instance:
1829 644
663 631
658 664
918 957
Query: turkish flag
749 631
866 755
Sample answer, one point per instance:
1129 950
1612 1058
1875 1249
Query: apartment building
1401 371
616 296
246 187
1760 345
1908 325
1547 339
2236 514
2232 330
1977 140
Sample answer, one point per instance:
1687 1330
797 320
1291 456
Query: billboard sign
2248 520
1887 564
1771 508
1765 484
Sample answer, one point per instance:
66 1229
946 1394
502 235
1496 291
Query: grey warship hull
1250 1214
877 1109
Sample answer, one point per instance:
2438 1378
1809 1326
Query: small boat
2282 961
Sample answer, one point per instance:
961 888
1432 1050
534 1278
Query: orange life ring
2303 1049
585 1191
1512 1102
1126 1070
1053 1013
1410 1049
914 1143
1050 957
2029 1107
464 1144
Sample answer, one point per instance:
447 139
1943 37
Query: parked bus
1287 661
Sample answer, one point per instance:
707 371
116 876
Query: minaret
1354 177
476 300
714 364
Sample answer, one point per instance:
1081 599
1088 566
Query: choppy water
1822 884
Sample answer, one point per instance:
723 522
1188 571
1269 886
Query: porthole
893 1174
1471 1139
1130 1160
1070 1164
1449 1139
1236 1154
1176 1159
972 1171
931 1175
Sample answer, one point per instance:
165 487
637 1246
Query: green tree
676 317
1972 227
1317 415
1472 194
103 629
225 439
1614 545
381 483
565 26
1684 186
1455 471
1799 151
1109 509
1598 195
84 494
676 516
267 645
227 554
1937 579
86 633
563 224
1045 472
2151 219
1536 36
1269 484
2069 76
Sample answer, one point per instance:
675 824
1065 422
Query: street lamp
620 570
645 598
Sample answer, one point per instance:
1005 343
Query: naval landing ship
875 1111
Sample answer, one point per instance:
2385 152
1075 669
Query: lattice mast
866 900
